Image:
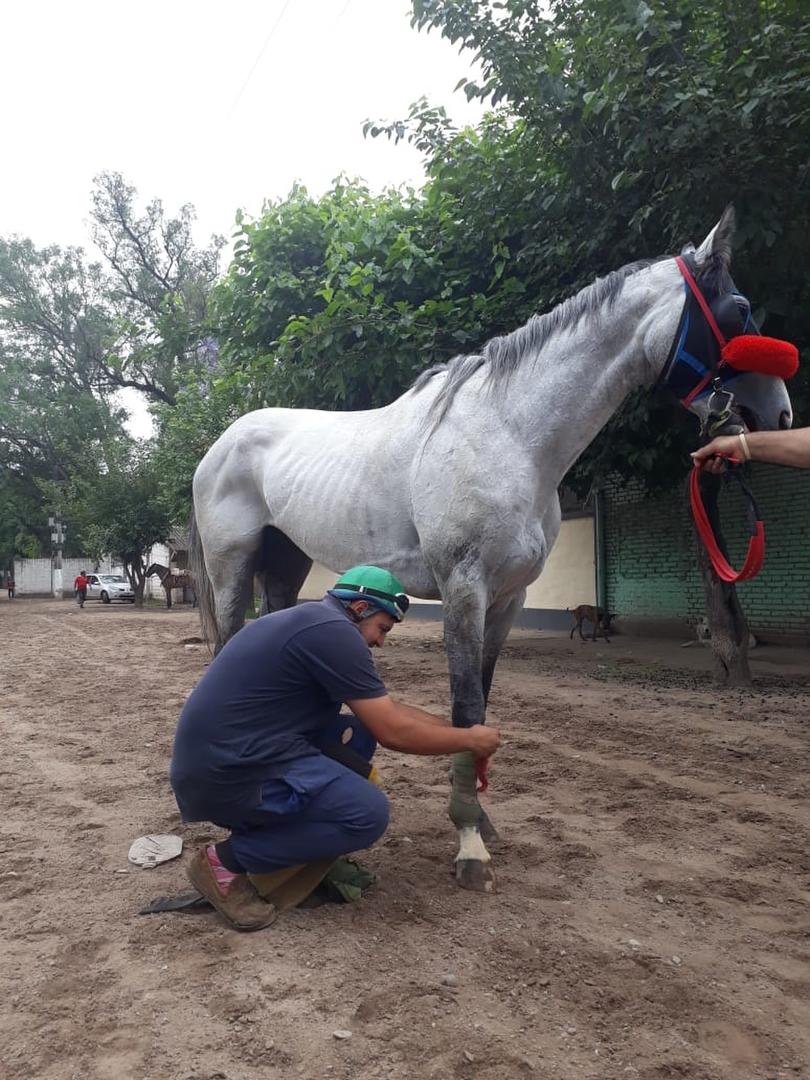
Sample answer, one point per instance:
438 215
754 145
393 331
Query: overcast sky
220 103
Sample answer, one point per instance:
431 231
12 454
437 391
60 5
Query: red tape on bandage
481 770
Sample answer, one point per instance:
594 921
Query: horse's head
151 569
722 386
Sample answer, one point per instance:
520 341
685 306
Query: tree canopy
74 332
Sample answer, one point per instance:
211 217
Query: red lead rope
756 545
481 768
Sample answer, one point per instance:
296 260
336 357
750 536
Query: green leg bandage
465 809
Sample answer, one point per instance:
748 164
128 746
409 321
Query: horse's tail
202 584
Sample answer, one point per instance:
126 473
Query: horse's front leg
464 616
499 620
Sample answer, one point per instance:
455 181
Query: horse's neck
584 372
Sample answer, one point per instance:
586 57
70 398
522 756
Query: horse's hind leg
230 565
283 570
232 581
226 543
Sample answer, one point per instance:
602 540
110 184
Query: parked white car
109 587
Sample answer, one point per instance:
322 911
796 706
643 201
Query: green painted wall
651 564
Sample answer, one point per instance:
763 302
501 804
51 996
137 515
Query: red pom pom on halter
767 355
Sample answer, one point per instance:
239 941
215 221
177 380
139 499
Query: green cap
375 584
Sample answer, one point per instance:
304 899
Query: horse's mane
501 356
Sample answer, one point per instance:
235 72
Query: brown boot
240 905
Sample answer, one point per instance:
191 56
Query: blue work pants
319 809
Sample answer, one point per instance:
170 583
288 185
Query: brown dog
599 619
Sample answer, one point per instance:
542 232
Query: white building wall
569 576
33 576
319 580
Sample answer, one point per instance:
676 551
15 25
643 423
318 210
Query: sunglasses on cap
399 600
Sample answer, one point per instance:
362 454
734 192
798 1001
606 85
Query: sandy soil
653 916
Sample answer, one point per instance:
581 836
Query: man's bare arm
393 728
412 712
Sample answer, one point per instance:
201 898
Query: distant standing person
10 586
80 587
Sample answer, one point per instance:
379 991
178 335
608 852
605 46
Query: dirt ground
653 913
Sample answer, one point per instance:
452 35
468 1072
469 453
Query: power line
262 51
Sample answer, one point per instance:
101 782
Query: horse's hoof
475 875
489 834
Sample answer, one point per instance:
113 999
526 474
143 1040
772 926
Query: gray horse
453 486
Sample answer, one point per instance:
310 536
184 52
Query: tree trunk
727 623
136 572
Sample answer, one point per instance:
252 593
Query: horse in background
169 581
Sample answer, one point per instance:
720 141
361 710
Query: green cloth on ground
347 881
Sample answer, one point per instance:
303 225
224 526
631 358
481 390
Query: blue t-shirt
264 700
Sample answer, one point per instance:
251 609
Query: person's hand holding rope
790 447
713 456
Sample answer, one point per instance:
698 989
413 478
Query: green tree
322 304
133 321
73 332
48 428
20 514
157 285
204 408
120 510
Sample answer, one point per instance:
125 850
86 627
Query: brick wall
652 569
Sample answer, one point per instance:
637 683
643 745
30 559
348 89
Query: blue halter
695 354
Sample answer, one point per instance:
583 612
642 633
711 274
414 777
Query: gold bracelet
744 445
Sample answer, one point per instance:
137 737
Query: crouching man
248 752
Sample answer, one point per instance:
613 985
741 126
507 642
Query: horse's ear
715 251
